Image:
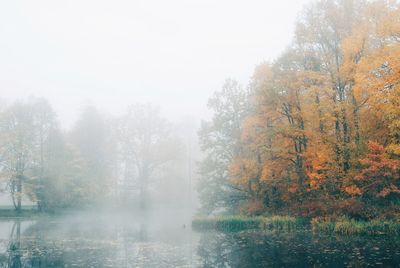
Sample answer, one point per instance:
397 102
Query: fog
108 57
199 133
173 54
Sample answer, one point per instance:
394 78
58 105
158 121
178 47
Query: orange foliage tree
323 131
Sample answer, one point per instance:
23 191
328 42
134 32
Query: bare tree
146 145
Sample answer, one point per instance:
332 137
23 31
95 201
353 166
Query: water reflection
153 241
302 249
96 241
14 258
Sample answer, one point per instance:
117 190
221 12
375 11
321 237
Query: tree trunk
143 188
19 193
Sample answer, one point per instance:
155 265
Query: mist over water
164 238
100 239
199 133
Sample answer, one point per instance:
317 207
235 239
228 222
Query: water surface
165 239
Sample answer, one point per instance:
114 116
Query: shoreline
340 226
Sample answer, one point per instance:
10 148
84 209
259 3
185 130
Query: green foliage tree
219 140
92 138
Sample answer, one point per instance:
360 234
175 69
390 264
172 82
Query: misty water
164 239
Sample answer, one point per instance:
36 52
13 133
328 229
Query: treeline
100 159
317 131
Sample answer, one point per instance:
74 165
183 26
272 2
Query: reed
226 223
282 223
346 226
236 223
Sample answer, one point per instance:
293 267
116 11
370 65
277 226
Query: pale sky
173 53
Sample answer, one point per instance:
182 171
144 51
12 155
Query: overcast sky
171 53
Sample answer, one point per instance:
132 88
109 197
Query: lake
164 239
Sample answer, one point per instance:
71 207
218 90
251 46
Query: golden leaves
318 108
352 190
243 170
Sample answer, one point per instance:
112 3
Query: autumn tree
319 108
377 184
36 161
17 148
322 30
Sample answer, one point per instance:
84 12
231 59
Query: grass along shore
346 226
341 226
25 212
237 223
